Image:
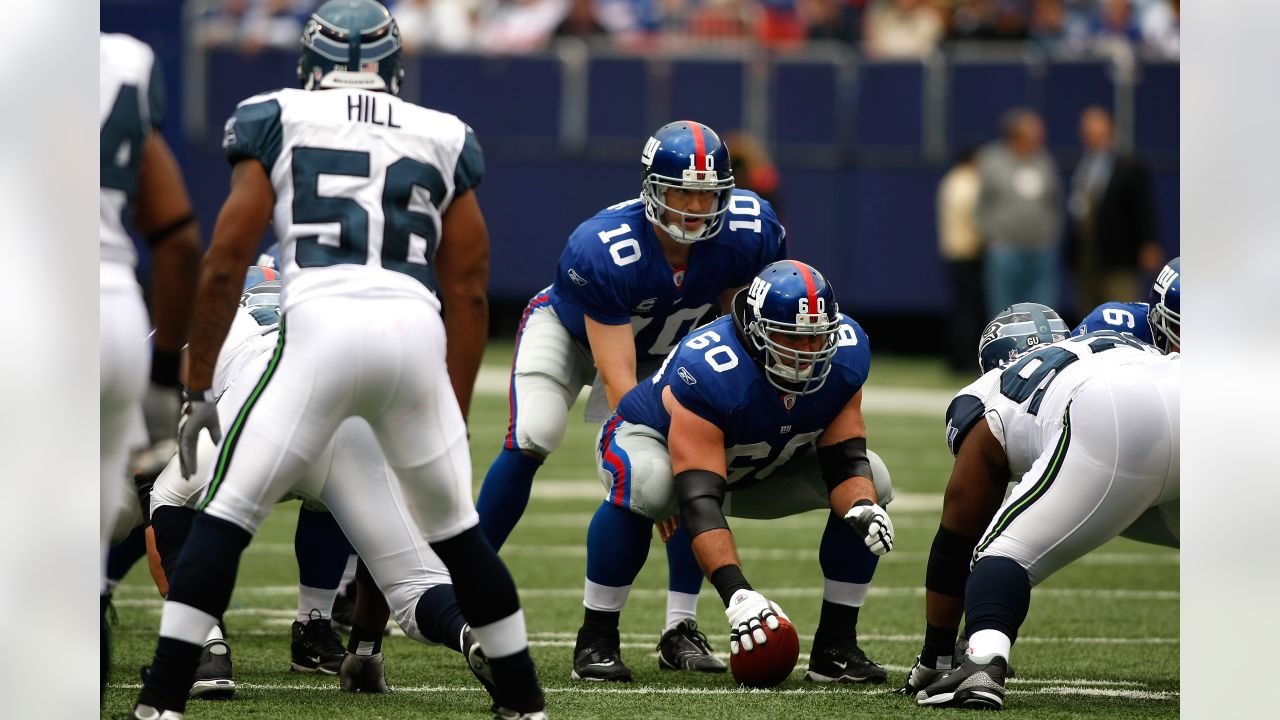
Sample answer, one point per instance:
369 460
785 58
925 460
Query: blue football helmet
257 274
351 43
1165 298
1018 330
687 155
789 319
270 258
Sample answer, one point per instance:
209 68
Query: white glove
873 522
160 407
200 411
749 612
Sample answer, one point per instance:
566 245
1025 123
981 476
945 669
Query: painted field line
748 552
1023 639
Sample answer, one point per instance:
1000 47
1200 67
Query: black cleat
316 647
501 713
363 673
845 664
598 660
685 647
344 608
213 676
978 685
477 661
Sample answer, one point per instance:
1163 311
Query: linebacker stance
755 415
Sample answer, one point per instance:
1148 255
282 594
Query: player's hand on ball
873 523
199 412
749 613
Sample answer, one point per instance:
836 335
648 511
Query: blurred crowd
881 28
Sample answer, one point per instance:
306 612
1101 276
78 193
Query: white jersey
1024 404
246 339
130 105
362 180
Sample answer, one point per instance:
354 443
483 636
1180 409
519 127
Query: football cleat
147 712
599 660
845 664
920 677
213 676
685 647
344 608
477 661
363 673
316 647
974 684
501 713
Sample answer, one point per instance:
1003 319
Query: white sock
319 599
680 606
986 644
605 598
350 573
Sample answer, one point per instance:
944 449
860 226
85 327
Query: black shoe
962 651
213 676
684 647
146 712
972 685
843 663
316 647
344 607
501 713
598 660
363 673
477 661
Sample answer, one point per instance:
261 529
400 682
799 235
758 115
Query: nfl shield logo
789 401
678 277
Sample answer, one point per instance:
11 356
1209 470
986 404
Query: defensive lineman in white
378 223
137 176
1088 426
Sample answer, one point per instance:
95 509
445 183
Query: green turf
1101 639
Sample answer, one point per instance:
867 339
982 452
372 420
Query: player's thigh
797 486
548 372
634 465
123 367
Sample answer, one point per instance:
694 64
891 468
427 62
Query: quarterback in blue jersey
754 415
631 282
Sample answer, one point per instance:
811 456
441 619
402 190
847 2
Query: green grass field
1101 639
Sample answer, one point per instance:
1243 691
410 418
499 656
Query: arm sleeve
254 131
155 95
470 168
962 414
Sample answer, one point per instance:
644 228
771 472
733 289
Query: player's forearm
715 549
221 281
614 390
466 323
175 263
850 491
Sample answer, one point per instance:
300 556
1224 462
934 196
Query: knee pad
880 476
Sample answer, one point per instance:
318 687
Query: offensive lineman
369 193
139 184
757 415
1090 426
631 282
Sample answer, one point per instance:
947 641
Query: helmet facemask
788 369
1165 326
654 195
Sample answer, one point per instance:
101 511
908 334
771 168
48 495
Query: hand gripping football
768 665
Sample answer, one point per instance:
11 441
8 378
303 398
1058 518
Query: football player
1124 317
632 280
374 207
1064 416
1136 318
754 415
138 178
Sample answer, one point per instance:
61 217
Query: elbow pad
701 495
949 560
843 460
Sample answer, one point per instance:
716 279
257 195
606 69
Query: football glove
199 412
873 523
920 677
749 613
160 407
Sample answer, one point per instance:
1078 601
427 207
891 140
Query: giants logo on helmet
1165 279
757 292
650 148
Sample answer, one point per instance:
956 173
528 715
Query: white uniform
361 181
350 478
128 107
1090 425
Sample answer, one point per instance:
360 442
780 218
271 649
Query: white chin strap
680 235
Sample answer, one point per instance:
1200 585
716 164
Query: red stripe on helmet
268 273
699 146
809 285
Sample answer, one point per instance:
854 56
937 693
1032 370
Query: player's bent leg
322 552
847 569
617 546
682 646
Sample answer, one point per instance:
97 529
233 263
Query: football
769 664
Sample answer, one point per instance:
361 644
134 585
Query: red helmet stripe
268 273
699 146
809 285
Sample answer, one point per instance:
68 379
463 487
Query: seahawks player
1064 416
756 415
631 282
369 194
141 185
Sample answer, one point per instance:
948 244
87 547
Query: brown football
769 664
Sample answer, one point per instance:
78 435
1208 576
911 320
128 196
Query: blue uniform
1129 318
715 377
613 270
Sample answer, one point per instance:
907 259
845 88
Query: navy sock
439 617
516 682
122 557
321 548
837 625
843 554
505 494
486 593
683 573
997 597
171 525
617 545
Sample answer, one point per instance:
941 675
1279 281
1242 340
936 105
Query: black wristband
164 367
163 233
729 580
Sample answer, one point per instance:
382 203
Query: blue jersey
1128 318
714 376
613 271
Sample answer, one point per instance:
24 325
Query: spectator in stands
581 22
903 28
1019 214
779 24
989 20
1158 24
273 24
1113 219
753 169
436 24
960 244
514 26
833 19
